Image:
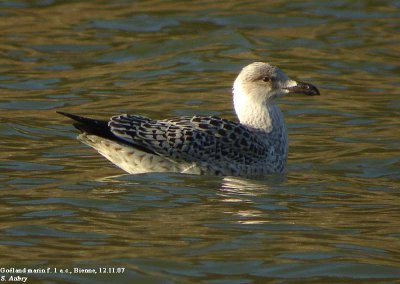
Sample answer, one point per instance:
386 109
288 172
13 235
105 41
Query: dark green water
333 218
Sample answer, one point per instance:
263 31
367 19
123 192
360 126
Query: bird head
263 83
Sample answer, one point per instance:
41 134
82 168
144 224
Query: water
334 217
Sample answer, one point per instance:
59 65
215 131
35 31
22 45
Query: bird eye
266 79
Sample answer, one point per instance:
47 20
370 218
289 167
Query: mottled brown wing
191 139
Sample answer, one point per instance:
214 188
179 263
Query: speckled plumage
256 145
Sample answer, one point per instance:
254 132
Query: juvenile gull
256 145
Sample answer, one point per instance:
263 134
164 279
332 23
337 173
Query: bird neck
267 119
264 115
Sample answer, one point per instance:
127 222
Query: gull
256 145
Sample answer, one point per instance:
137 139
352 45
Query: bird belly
135 161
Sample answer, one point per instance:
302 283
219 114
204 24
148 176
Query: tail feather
99 128
90 126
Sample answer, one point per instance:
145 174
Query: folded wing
190 139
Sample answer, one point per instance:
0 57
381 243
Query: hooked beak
302 88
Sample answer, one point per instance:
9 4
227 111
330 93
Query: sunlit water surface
333 217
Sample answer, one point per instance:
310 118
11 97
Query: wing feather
191 139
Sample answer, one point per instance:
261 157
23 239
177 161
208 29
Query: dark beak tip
306 88
314 91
